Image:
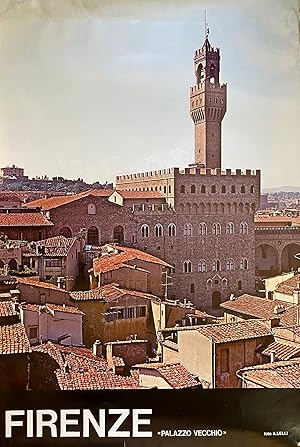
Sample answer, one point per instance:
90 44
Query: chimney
232 297
296 294
97 348
272 357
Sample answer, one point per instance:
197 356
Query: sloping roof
281 351
272 220
285 374
13 339
34 283
110 262
109 292
57 201
57 245
79 369
253 306
175 374
7 309
287 287
52 307
140 194
242 330
24 220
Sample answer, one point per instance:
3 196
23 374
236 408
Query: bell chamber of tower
208 101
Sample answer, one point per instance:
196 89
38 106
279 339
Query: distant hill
281 189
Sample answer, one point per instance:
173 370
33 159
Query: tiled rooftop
52 307
55 202
34 283
281 351
175 374
110 262
288 286
140 194
242 330
285 374
57 246
7 309
79 369
13 339
109 292
24 220
254 306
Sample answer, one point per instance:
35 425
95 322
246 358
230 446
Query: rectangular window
141 311
224 360
33 332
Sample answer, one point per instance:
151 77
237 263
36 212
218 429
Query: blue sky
95 89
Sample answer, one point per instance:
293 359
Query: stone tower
208 105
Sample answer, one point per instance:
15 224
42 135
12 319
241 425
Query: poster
111 94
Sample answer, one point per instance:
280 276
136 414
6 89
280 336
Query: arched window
230 228
216 229
244 264
159 231
223 189
188 230
203 189
165 190
252 189
172 230
91 209
1 264
212 76
216 265
202 229
170 189
182 189
192 288
239 285
193 189
213 189
233 189
224 282
202 266
209 283
230 264
118 234
187 267
243 189
93 236
145 230
65 231
243 228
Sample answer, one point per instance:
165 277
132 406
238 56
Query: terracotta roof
272 220
287 287
109 292
13 339
24 220
175 374
79 369
9 196
140 194
57 245
52 307
91 380
7 309
54 202
242 330
285 374
281 351
254 306
34 283
110 262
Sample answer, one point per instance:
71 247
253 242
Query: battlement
212 52
193 170
208 86
150 174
